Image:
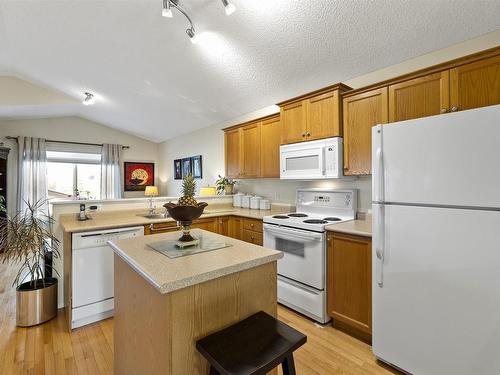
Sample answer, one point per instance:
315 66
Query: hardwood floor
50 349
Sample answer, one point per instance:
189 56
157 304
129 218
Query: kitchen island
164 305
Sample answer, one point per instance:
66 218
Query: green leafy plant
222 182
27 240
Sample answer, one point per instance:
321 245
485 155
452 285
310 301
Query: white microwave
312 160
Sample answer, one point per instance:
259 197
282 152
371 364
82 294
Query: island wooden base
156 333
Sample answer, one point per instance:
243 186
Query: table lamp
151 191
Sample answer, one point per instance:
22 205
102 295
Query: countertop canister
265 204
237 199
254 202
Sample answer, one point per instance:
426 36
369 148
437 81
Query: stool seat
254 345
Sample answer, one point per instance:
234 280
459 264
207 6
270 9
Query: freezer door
438 308
450 159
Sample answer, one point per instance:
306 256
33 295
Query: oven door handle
285 232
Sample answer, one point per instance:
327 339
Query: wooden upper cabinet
323 116
270 136
250 150
232 143
475 85
349 279
419 97
315 115
293 120
361 112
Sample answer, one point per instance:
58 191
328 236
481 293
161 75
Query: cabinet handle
454 109
444 110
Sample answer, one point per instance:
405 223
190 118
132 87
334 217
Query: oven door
304 254
304 160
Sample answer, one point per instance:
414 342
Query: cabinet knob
308 134
454 109
251 225
303 134
444 110
253 238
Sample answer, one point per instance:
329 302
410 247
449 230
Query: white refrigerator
436 243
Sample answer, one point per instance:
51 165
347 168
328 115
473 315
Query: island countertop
168 275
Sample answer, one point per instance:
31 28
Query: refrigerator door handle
380 245
380 196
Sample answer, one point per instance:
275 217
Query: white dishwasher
93 274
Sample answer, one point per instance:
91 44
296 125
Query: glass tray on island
170 249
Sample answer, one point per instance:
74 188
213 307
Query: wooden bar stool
253 346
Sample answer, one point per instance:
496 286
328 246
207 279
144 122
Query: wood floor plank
50 349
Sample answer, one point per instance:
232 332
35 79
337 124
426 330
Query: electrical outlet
95 207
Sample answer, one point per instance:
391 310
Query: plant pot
36 305
228 189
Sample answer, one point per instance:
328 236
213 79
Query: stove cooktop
305 221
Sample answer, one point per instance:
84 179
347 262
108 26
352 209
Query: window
74 175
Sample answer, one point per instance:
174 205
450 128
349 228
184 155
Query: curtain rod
68 142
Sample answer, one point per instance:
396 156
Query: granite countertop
168 275
129 218
355 227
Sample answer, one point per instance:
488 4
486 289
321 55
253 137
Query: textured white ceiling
152 82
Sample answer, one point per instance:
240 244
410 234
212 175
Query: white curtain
32 171
111 181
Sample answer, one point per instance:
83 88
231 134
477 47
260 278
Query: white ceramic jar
237 199
265 204
245 201
254 203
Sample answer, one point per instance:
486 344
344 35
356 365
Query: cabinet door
293 122
349 272
250 151
223 225
475 85
361 113
252 237
232 143
235 227
419 97
209 224
270 136
323 117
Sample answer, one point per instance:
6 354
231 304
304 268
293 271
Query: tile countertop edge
198 279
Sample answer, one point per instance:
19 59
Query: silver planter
36 306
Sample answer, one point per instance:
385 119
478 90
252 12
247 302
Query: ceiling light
229 7
89 99
166 11
192 35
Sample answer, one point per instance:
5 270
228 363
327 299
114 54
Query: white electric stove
301 237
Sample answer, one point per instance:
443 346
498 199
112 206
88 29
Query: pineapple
188 188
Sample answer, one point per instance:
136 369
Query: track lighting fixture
89 99
228 7
167 11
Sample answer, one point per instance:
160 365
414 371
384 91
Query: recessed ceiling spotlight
166 11
89 99
229 7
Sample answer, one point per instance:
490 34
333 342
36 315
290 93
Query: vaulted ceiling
151 81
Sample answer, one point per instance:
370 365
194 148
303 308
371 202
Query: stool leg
288 365
213 371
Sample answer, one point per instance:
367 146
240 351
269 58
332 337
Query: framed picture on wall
178 169
197 166
138 175
186 167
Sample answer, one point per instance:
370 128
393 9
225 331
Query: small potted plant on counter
27 241
225 185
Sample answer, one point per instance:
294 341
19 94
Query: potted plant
225 185
27 241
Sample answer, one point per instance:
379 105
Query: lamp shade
207 191
151 191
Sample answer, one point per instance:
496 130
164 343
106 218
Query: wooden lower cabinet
223 225
349 282
257 238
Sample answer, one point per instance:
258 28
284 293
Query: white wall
209 142
78 130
